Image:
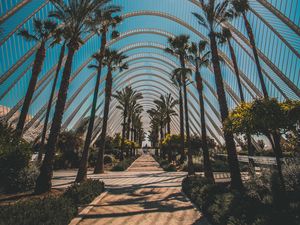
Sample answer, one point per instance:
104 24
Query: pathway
144 194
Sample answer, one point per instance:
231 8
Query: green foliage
51 210
108 159
85 192
69 146
124 164
46 211
262 203
165 165
196 143
263 116
23 180
15 156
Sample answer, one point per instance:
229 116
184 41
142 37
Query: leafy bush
171 168
165 165
69 146
123 165
262 203
15 156
85 192
107 159
23 180
46 211
51 210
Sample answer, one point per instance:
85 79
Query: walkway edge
87 209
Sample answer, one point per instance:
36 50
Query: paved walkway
143 195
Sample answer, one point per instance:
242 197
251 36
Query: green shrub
262 203
85 192
165 165
188 183
15 156
171 168
46 211
107 159
123 165
23 180
93 156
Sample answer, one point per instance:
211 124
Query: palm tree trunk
248 136
36 69
236 70
275 142
187 124
169 125
82 170
99 168
128 127
123 133
62 53
255 54
43 183
182 155
236 181
206 161
132 130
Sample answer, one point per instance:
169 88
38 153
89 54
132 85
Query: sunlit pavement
144 194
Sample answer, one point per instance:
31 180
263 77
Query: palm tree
168 103
214 14
74 16
42 31
179 47
114 61
226 38
200 60
240 8
183 74
153 135
137 126
57 35
125 98
100 23
134 108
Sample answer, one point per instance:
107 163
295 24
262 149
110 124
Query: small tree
267 117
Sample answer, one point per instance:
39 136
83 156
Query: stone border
87 209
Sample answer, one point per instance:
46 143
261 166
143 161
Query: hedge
124 164
51 210
223 206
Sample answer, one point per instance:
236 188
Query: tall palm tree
240 8
134 108
168 103
158 113
225 37
154 133
42 31
137 126
114 61
58 34
74 16
179 46
212 15
125 98
201 59
100 23
183 74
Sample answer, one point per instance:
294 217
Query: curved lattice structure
143 37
